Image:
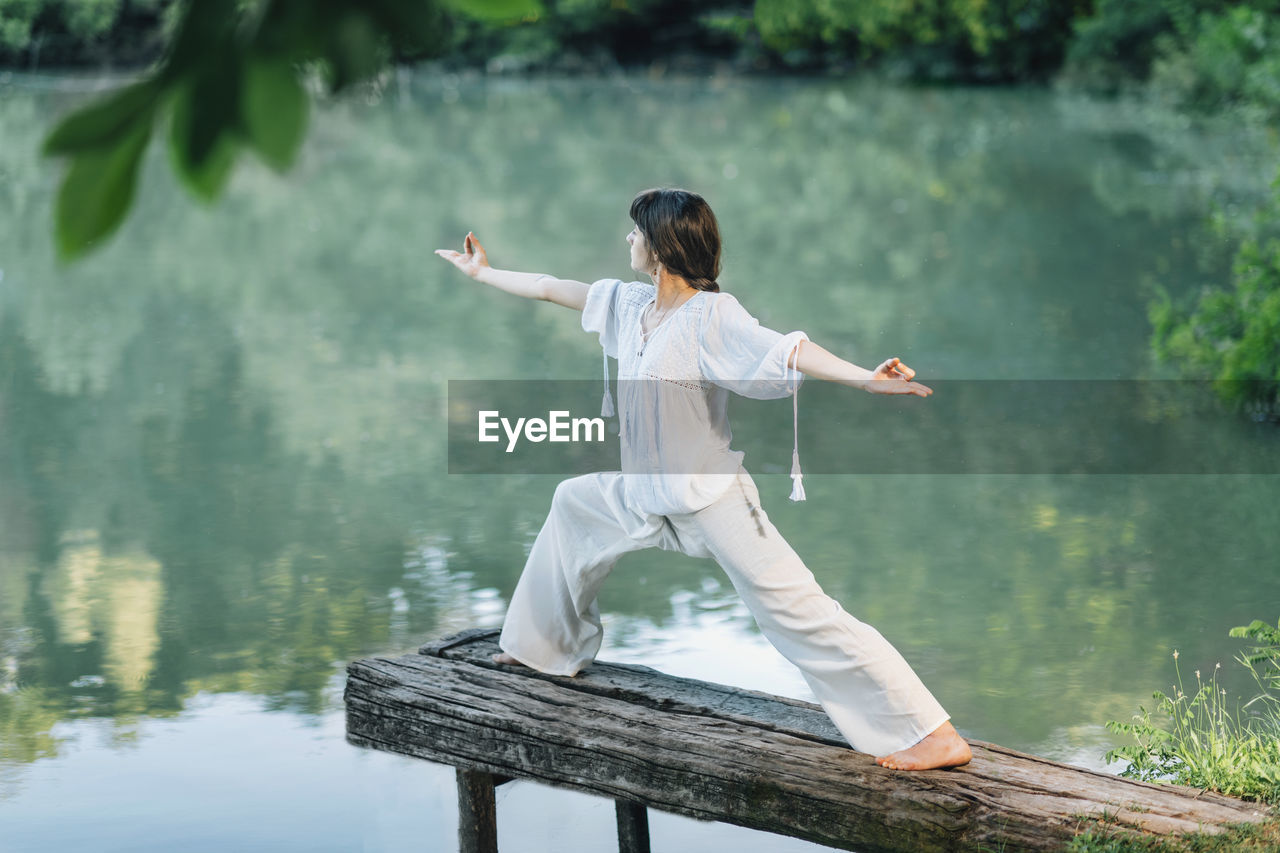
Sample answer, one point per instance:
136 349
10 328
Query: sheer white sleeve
600 313
739 354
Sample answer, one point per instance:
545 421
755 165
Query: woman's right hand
471 261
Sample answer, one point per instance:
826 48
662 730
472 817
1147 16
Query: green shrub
625 30
1005 39
73 31
1233 57
1232 335
1198 739
1120 39
90 19
1266 653
1202 54
17 17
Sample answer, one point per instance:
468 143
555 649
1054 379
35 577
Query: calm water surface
223 464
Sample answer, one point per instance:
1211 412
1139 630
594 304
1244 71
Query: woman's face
640 260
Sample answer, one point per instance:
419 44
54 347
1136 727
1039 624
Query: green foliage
201 145
16 20
106 142
596 33
737 25
230 78
75 26
1230 334
275 111
1006 39
1267 652
494 11
1121 36
1261 837
1200 53
90 19
97 190
105 122
1232 57
1199 740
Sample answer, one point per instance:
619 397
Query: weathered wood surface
714 752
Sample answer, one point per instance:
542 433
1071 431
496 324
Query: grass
1261 837
1202 739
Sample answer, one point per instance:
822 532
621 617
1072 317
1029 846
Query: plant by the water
1202 738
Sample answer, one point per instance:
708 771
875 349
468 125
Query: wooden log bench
712 752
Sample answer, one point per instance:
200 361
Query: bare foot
942 748
503 657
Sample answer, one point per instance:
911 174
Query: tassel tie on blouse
797 478
606 405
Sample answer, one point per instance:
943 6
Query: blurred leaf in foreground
233 78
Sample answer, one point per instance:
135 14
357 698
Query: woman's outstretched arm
474 262
891 377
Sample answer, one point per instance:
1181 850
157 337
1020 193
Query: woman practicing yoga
681 346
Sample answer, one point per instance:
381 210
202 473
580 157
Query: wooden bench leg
477 813
633 827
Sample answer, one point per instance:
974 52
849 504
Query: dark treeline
36 34
1204 51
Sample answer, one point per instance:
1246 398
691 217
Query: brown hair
682 233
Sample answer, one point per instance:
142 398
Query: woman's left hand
894 377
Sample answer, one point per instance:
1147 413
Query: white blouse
673 389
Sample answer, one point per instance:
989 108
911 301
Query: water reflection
709 636
222 456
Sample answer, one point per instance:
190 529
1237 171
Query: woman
681 346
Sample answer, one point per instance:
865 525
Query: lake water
224 467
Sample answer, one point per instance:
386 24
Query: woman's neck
672 289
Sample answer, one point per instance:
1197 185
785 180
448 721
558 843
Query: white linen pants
553 622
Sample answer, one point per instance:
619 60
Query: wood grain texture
714 752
